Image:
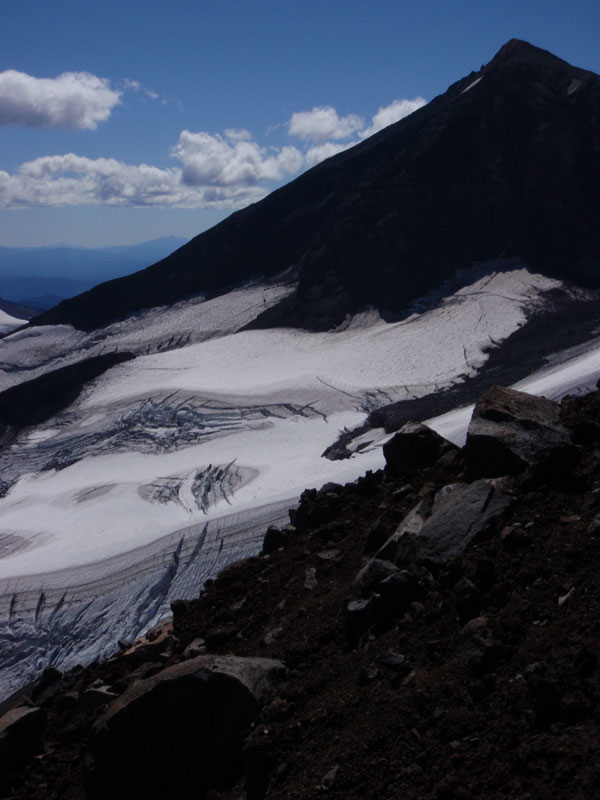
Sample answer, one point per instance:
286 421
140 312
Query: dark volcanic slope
507 166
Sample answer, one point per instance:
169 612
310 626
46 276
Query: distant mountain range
506 163
40 277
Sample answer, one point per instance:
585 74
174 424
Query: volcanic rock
468 514
414 447
21 737
512 430
180 732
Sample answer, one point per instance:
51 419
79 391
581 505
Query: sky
127 121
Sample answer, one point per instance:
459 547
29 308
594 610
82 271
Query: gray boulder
469 513
180 732
511 431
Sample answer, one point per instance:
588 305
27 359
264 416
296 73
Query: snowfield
171 465
86 486
9 323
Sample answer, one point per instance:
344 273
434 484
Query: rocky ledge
431 630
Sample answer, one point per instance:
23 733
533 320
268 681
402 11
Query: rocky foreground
429 631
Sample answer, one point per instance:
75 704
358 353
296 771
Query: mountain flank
417 633
505 164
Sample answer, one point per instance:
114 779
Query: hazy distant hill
20 311
42 276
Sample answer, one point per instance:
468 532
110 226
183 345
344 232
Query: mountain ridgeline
505 164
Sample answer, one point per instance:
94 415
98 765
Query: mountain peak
519 48
518 51
508 170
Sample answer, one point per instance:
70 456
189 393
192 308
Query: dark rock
179 733
367 675
274 539
197 647
310 578
358 619
373 573
468 599
511 431
476 645
593 528
468 514
414 447
398 546
586 662
394 661
96 696
485 575
21 737
258 764
50 677
514 539
378 532
330 778
219 635
575 707
315 508
395 594
546 702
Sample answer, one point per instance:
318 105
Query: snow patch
471 85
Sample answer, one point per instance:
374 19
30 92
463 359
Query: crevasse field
172 465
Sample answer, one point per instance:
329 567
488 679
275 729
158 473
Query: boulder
180 732
511 431
395 594
414 447
357 622
470 512
21 737
476 645
374 571
274 539
398 543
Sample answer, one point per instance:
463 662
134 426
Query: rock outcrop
180 732
511 431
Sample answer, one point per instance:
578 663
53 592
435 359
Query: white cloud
223 171
233 160
397 110
71 180
220 171
323 123
136 86
73 100
310 120
320 152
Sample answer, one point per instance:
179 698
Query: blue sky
125 121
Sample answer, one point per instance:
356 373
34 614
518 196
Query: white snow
574 374
9 323
471 85
270 401
36 350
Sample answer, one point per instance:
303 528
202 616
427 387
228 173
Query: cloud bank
325 128
228 170
323 123
72 101
232 160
